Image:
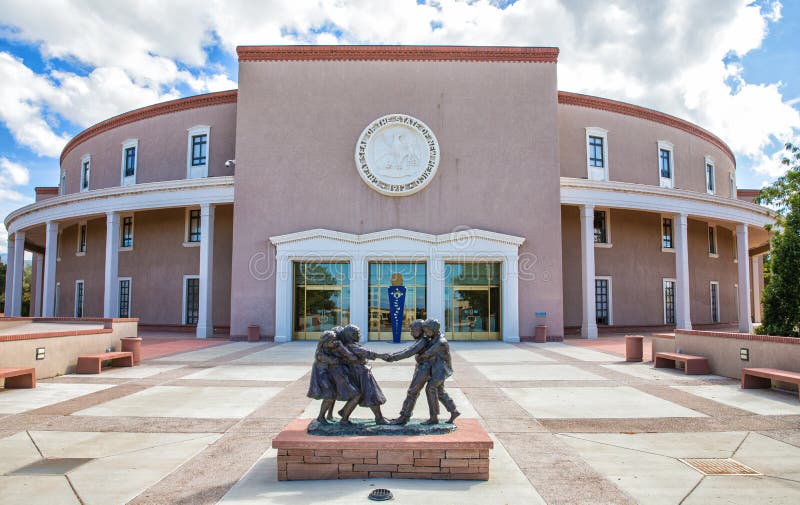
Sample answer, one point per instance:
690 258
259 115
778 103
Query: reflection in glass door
472 301
380 278
321 298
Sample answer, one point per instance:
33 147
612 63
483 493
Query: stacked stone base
461 455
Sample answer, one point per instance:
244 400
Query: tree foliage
781 299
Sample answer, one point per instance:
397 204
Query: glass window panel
494 309
666 238
374 273
600 229
666 164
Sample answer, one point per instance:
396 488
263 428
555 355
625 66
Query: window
191 299
62 188
126 233
667 235
597 154
710 183
82 230
129 160
602 235
198 152
86 172
732 185
321 298
79 295
714 301
735 248
192 226
602 299
472 300
669 300
666 165
124 297
712 241
414 277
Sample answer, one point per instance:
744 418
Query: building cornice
594 102
159 109
459 236
150 195
399 53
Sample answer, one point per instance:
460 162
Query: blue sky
731 66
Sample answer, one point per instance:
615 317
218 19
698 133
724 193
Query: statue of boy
433 367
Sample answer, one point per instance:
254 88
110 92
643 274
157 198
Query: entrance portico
436 252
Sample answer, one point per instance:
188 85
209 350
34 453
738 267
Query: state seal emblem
397 155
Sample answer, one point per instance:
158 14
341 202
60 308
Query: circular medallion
397 155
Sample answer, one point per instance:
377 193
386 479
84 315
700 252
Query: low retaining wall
460 455
723 350
62 346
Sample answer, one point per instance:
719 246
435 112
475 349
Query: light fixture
39 353
744 353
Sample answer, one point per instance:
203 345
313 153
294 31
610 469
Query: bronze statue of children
370 392
330 376
438 353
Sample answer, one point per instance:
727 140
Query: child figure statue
330 375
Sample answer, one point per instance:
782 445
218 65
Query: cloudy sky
731 66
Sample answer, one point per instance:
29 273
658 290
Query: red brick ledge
53 334
594 102
399 53
740 336
192 102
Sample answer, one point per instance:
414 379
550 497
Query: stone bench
693 365
19 378
92 364
754 378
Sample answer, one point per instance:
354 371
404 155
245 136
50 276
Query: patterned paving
572 425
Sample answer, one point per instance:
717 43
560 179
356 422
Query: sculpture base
462 454
368 428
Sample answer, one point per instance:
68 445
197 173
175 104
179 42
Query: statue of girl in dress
370 394
330 376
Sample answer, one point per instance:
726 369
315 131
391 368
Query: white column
283 299
9 278
36 285
359 294
683 318
19 265
745 325
758 277
435 286
589 324
111 290
49 282
510 305
205 324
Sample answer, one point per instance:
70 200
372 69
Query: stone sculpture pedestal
460 455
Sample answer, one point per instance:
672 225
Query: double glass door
472 301
321 298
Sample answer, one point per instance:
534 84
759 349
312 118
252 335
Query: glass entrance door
472 301
321 298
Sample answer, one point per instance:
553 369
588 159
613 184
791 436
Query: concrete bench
91 364
19 378
693 365
753 378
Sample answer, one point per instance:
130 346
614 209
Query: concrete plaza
571 424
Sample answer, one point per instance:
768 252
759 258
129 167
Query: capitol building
334 172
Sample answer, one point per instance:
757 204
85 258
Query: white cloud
12 177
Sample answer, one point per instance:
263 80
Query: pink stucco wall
298 123
163 147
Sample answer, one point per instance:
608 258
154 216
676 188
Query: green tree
781 299
2 287
26 290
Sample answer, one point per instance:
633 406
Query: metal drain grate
719 466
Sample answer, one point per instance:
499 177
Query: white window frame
735 249
87 183
130 295
711 302
607 244
732 181
121 231
716 241
186 242
78 251
661 237
62 186
663 181
131 180
591 171
709 162
83 299
674 282
198 171
610 297
183 289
